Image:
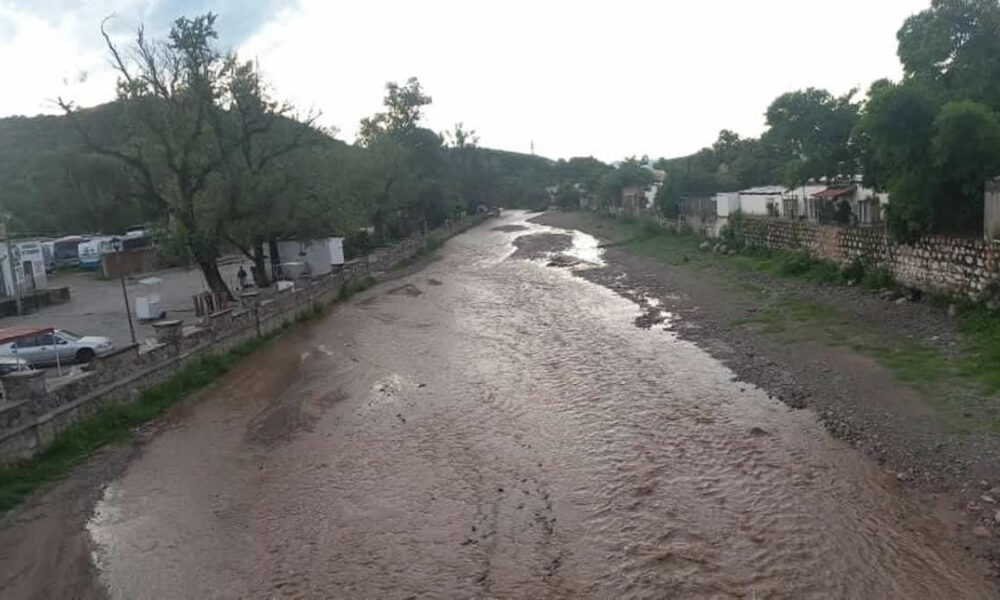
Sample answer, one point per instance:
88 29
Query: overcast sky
602 78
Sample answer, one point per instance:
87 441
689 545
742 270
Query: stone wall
952 266
35 410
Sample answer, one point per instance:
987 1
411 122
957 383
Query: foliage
567 197
812 129
629 173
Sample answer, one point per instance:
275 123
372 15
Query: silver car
41 349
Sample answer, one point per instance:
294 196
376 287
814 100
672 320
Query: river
491 426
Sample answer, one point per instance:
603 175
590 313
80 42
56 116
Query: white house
857 204
764 200
794 201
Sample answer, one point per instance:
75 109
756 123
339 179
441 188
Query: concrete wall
130 262
991 216
34 412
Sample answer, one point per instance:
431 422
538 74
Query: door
28 267
36 349
67 351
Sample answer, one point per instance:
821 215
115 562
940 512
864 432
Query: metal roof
835 192
10 334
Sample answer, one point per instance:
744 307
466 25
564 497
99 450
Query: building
847 204
764 200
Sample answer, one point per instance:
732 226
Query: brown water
492 427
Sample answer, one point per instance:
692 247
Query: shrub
854 270
877 278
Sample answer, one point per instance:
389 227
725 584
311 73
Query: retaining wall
34 410
961 267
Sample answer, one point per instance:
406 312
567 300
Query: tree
955 45
270 145
168 93
567 197
629 173
812 129
408 164
966 150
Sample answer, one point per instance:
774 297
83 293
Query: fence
35 410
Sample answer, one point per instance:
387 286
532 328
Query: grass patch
430 247
113 424
349 288
981 329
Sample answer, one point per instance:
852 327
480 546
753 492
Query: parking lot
97 307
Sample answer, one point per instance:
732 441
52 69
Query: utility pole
119 247
16 288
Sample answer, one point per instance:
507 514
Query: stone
980 532
988 499
902 300
704 246
952 310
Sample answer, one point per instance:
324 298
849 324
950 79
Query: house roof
769 190
835 192
11 334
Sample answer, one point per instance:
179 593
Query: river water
494 427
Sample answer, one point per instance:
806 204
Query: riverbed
495 426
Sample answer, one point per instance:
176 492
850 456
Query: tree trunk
261 279
210 269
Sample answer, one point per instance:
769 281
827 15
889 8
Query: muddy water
493 427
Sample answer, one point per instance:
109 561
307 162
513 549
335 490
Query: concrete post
169 331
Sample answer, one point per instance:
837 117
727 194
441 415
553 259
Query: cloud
53 48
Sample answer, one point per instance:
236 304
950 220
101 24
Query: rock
723 248
757 431
993 304
914 294
996 516
704 246
980 532
903 476
732 252
890 295
988 499
902 300
952 311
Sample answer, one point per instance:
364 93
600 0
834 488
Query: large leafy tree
812 129
407 172
169 93
931 140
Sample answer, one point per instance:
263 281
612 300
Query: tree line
197 147
931 139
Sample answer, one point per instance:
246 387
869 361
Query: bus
66 251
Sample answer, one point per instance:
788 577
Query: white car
40 349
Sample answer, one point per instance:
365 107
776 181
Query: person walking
241 277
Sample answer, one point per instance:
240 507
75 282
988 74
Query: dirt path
803 361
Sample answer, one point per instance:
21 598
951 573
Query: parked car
40 349
10 364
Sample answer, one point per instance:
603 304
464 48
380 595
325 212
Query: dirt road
496 427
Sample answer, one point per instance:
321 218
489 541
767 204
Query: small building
636 198
847 204
763 200
317 257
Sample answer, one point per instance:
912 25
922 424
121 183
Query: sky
575 78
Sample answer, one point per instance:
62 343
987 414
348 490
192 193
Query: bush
878 278
854 270
800 264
